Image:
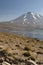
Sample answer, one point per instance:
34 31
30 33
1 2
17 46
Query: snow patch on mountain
25 15
33 16
38 15
25 19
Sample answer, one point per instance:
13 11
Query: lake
28 33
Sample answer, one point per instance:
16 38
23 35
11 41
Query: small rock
31 62
5 63
22 63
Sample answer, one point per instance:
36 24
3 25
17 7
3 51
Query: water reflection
28 33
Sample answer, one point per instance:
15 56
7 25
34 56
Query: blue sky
11 9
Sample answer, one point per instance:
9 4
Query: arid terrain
18 50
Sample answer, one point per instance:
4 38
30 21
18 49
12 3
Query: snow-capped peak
29 18
33 16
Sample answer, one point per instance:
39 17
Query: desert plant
1 41
28 41
3 53
26 54
26 48
9 54
39 52
32 58
17 45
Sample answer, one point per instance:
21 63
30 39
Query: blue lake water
31 33
28 33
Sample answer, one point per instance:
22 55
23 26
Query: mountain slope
29 18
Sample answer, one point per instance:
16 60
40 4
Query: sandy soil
18 50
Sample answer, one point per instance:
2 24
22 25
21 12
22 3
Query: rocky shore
18 50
